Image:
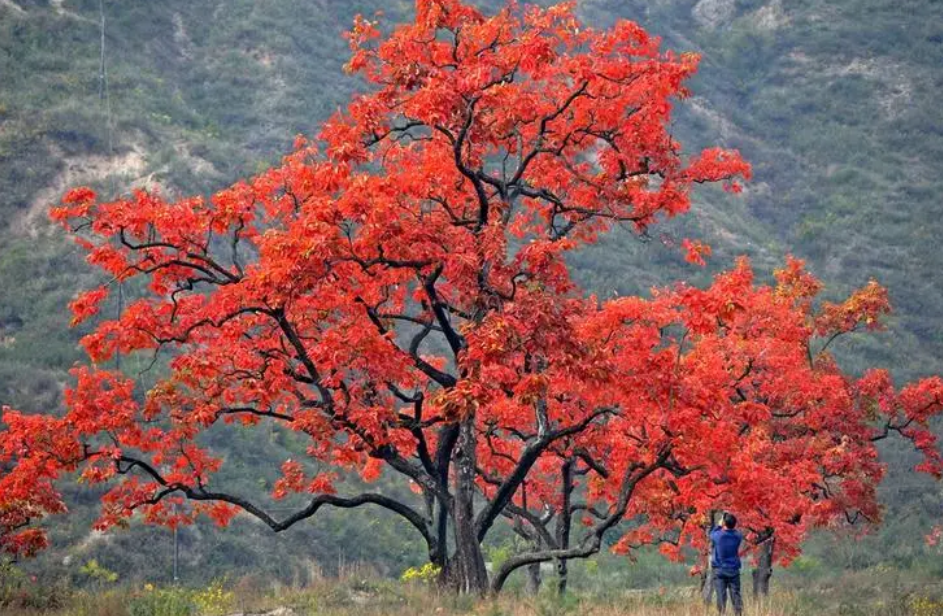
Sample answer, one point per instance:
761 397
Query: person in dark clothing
725 562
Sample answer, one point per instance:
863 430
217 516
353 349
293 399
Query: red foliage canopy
736 382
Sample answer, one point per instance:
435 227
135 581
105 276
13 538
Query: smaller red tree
738 383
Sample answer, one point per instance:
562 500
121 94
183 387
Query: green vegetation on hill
836 104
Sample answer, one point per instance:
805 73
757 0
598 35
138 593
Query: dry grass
330 600
362 593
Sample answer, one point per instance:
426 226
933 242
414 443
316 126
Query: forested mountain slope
835 104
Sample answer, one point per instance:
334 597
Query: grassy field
360 593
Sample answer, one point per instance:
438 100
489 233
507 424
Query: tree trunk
440 556
707 577
534 579
764 569
562 575
563 524
441 514
707 586
466 567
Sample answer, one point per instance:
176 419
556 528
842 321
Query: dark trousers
724 582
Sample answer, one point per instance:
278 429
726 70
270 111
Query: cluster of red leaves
412 279
26 491
20 506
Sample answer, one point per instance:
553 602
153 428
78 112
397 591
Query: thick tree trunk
466 567
764 569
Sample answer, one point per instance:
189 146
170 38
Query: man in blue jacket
725 562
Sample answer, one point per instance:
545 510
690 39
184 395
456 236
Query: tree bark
707 586
563 524
764 569
563 575
448 436
534 579
466 567
707 577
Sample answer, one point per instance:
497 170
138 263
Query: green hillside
836 105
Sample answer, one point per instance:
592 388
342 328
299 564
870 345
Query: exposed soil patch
78 170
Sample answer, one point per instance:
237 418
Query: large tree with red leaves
397 292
